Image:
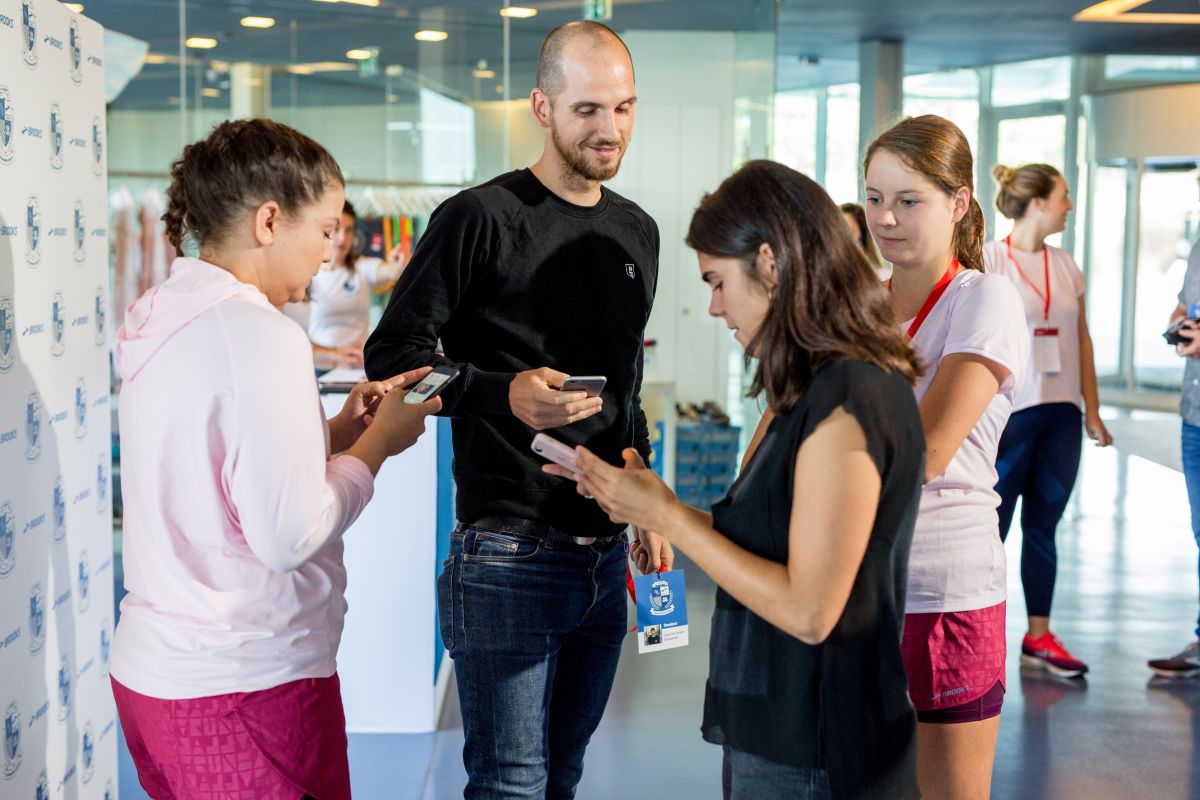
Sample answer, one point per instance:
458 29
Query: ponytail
969 237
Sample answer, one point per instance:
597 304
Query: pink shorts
282 743
953 658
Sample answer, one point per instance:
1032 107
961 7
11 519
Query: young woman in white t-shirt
968 328
1039 451
340 295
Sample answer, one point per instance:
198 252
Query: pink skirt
281 743
954 657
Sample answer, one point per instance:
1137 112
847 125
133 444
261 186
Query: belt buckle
584 540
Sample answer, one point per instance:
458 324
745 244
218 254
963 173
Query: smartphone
556 451
592 384
431 385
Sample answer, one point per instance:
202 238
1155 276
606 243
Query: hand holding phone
431 385
592 385
555 451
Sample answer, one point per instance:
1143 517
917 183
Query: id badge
1046 355
662 621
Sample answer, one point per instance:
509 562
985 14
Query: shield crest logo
84 576
7 127
29 33
60 510
56 136
64 688
8 335
102 483
661 600
87 753
58 325
97 147
101 317
33 427
33 231
76 46
81 406
80 232
631 270
12 740
8 539
37 618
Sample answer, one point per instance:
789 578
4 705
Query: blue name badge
662 621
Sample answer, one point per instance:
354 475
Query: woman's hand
633 495
1096 430
360 407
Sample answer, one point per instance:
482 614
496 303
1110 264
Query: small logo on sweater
630 270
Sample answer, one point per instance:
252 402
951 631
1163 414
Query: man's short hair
550 73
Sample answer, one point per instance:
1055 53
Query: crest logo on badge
12 740
37 618
80 225
56 136
102 483
97 147
33 231
60 510
81 408
58 325
8 128
64 688
8 335
8 539
87 752
101 317
662 602
84 576
76 46
29 33
33 427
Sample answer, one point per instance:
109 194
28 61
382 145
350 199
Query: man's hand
651 551
535 400
1189 331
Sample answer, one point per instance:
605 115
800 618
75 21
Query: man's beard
577 162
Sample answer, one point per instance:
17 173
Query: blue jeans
1038 460
749 777
1190 440
535 630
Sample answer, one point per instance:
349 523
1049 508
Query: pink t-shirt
1066 289
957 561
233 515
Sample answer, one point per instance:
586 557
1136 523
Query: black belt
537 529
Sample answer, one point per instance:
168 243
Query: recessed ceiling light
484 73
395 69
161 58
361 55
320 66
430 36
210 92
201 43
76 7
369 3
258 22
519 12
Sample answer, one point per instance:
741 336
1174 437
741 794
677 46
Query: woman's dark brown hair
935 147
864 235
242 164
352 254
1021 185
828 303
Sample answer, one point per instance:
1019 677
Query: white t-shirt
341 301
957 561
1066 287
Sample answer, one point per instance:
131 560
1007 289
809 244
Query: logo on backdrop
56 136
102 483
661 600
64 688
80 232
42 792
33 231
58 325
12 740
8 335
29 33
97 147
105 646
108 791
60 510
33 427
80 408
37 618
8 129
76 52
87 752
85 582
100 317
8 539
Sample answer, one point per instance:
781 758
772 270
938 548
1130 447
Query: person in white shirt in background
340 295
1038 458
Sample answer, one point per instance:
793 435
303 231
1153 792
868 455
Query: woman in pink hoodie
223 665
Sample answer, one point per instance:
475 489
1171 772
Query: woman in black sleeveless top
806 688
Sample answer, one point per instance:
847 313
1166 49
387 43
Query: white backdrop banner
56 566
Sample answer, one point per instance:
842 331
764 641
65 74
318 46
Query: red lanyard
1024 277
934 296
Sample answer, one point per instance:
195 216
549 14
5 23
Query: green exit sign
599 10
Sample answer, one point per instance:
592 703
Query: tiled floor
1127 591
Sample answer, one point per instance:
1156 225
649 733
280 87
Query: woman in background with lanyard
968 329
340 296
1039 451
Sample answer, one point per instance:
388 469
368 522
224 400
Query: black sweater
510 278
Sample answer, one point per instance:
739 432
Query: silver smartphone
592 384
556 451
431 385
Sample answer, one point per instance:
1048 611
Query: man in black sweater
532 277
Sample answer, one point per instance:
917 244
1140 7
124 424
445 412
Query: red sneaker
1047 652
